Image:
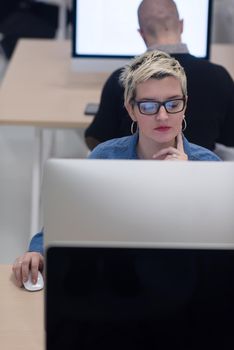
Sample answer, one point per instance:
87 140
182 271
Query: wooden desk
21 315
40 90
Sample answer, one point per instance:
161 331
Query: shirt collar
175 48
187 148
132 154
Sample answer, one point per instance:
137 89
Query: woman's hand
172 153
30 261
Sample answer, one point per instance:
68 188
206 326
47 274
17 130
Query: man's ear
140 31
181 26
130 110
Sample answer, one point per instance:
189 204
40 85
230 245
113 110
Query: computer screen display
135 298
109 28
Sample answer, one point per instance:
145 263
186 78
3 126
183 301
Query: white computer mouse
30 286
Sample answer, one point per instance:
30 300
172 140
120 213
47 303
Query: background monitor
105 32
154 203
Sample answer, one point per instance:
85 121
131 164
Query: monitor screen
136 298
109 28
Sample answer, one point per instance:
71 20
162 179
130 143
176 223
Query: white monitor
134 202
105 32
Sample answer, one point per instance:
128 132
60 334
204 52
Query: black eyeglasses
152 107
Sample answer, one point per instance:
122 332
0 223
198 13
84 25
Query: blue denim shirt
37 244
125 148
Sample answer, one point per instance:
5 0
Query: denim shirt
125 148
37 243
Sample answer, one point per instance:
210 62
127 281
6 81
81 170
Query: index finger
25 266
180 144
35 266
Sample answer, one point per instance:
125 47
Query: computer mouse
30 286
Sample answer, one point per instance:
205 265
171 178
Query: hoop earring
132 127
185 123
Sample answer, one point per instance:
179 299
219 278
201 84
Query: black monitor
107 30
139 298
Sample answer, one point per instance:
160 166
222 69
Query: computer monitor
164 204
105 32
139 254
137 298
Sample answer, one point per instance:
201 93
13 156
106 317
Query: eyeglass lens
152 107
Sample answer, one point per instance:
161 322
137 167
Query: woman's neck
147 148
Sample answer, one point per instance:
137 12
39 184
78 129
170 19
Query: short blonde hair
152 64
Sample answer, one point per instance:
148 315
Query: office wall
223 21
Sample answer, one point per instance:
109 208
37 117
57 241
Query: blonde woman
155 97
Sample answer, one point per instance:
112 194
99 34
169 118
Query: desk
21 315
39 89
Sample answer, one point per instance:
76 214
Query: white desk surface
40 89
21 315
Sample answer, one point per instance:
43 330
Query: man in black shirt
210 109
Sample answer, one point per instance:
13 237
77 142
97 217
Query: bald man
159 23
210 110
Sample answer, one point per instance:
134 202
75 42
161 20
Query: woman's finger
17 271
180 144
166 151
35 267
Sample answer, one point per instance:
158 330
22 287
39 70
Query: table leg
62 18
43 149
36 180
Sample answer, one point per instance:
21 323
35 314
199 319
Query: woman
155 98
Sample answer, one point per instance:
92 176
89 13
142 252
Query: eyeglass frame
160 104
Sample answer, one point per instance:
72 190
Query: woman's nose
162 113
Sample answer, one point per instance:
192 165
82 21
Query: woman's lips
163 128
